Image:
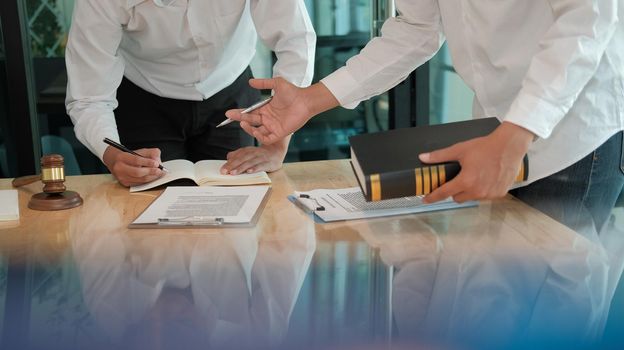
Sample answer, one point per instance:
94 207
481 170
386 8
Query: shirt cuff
341 84
535 115
93 138
100 147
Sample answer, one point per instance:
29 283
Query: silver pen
247 110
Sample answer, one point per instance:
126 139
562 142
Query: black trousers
183 129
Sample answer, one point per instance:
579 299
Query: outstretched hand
290 108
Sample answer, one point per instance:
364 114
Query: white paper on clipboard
349 204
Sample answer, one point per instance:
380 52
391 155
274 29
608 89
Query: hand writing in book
253 159
131 170
290 108
489 165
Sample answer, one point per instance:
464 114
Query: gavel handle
25 180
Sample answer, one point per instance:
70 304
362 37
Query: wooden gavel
52 175
54 195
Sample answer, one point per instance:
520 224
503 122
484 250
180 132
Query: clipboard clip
191 221
318 207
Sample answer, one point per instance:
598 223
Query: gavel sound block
54 195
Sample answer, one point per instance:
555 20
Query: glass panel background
48 25
450 98
7 165
343 27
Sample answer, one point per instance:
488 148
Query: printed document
204 205
349 204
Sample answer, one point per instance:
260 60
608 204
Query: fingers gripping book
386 163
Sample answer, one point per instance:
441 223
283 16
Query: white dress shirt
179 49
554 67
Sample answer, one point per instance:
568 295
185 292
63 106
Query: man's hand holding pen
290 108
130 169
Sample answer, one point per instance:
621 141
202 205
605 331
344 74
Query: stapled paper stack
211 206
350 204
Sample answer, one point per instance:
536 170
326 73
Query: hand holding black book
386 163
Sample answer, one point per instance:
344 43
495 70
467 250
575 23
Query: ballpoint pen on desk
247 110
126 149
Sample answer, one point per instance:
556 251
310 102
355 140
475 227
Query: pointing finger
234 114
152 153
442 155
263 84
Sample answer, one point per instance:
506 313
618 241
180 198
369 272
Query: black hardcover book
386 163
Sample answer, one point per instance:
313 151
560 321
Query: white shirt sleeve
407 41
94 71
568 58
285 28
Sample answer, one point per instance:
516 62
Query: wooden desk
109 206
500 271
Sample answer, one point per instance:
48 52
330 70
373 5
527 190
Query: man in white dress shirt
551 70
158 75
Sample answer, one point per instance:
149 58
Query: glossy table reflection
501 275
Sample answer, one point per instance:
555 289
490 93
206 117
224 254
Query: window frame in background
23 146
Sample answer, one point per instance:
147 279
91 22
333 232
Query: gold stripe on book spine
434 178
520 177
375 187
427 180
419 181
442 174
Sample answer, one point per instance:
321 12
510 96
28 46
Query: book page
178 169
208 172
232 204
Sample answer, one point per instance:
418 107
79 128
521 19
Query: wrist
280 146
318 99
515 136
108 158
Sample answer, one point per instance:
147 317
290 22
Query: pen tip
225 122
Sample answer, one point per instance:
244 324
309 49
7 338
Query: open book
205 172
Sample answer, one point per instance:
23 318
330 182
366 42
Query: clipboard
206 222
332 205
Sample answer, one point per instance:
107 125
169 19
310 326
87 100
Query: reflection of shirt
226 288
243 292
499 288
554 67
179 49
